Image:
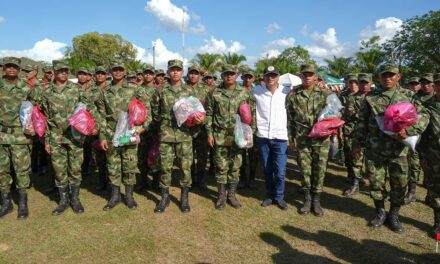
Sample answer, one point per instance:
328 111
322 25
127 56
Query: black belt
7 130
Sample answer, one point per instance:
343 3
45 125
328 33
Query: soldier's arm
156 117
209 113
45 108
422 122
253 106
101 116
361 126
291 129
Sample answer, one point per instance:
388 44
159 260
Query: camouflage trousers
122 165
433 175
354 166
181 153
143 149
227 162
66 162
18 158
101 161
414 166
396 168
200 153
313 165
249 162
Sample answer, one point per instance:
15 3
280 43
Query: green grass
250 235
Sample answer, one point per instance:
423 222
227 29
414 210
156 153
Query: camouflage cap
351 77
100 69
308 68
194 68
131 74
91 70
59 65
29 68
117 64
210 75
414 80
228 68
11 60
437 77
248 72
47 68
149 68
427 76
367 77
160 72
175 63
271 69
139 71
82 69
388 68
320 77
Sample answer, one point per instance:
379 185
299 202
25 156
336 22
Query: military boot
64 201
437 220
393 219
23 211
316 206
184 200
164 201
381 215
353 189
221 199
411 195
115 199
75 203
7 206
129 200
307 203
231 196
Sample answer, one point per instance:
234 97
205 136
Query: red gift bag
245 113
39 121
83 122
399 116
137 113
326 127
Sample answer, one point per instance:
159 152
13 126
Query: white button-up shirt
271 112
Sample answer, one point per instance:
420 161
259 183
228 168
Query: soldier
210 79
303 107
365 81
386 155
47 75
414 84
58 103
14 145
121 161
221 107
139 76
175 142
159 78
31 75
430 148
131 77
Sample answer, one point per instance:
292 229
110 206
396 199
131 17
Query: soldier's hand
199 119
47 148
292 147
356 153
424 164
95 132
402 134
142 130
211 141
104 145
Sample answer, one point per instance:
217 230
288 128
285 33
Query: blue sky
42 29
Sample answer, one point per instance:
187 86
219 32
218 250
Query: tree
234 59
370 56
339 66
208 62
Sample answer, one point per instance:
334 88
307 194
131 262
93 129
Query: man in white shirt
272 134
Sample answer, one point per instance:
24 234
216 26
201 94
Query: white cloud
214 45
271 53
326 44
385 28
44 50
2 20
162 55
280 43
272 27
171 17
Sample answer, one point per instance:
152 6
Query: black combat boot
353 189
64 201
231 196
316 206
184 199
115 199
381 215
221 199
437 220
129 200
164 201
7 206
411 195
23 211
393 219
75 203
307 203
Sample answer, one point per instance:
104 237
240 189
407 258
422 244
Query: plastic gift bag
399 116
26 118
245 113
137 113
187 109
332 108
410 141
123 134
243 134
334 146
75 134
326 127
39 121
82 121
153 154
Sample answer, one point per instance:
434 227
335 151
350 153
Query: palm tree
208 62
235 59
339 65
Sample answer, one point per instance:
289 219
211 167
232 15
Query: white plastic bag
26 109
332 108
123 134
243 134
75 134
186 108
334 146
410 141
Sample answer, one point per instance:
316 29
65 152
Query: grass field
250 235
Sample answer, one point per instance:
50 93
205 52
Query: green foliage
289 61
370 56
208 62
338 66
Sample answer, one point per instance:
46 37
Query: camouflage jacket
431 136
202 92
350 113
163 114
367 133
303 108
115 99
221 106
149 92
11 96
422 96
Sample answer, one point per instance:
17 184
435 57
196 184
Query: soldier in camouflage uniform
47 75
159 78
175 141
385 154
303 107
430 148
31 73
139 76
221 107
14 145
121 161
58 103
414 84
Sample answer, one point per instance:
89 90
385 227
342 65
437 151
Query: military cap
308 68
320 77
414 80
159 72
117 64
29 68
194 68
368 77
139 71
83 69
131 74
210 75
100 69
47 68
388 68
351 77
149 68
11 60
59 65
437 77
229 68
175 63
91 70
271 69
427 76
249 72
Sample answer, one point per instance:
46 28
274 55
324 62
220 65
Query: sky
42 29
